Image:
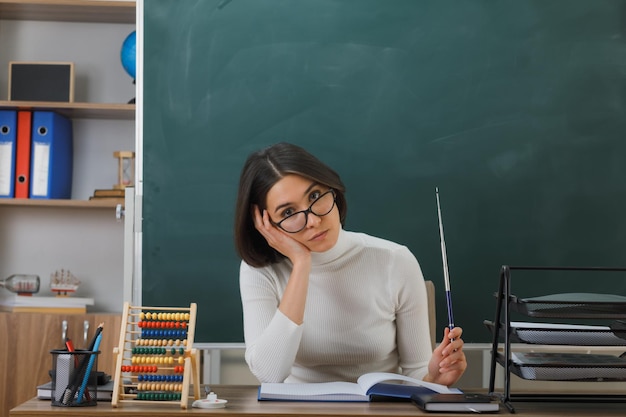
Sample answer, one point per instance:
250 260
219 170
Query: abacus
155 360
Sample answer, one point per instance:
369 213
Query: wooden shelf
77 110
98 11
82 204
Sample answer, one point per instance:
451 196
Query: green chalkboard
515 109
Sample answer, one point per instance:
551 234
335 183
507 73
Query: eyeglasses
320 207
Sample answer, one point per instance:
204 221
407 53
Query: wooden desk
242 401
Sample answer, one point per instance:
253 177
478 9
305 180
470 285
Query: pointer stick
444 258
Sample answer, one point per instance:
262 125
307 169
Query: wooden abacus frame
126 387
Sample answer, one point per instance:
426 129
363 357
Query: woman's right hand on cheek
278 239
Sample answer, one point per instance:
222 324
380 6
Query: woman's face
294 193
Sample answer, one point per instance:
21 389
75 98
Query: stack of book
109 194
103 392
42 304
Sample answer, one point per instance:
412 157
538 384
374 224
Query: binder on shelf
52 156
22 154
8 121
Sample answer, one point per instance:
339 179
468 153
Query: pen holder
70 387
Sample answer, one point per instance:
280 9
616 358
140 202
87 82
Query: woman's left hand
448 363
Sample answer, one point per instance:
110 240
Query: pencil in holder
74 378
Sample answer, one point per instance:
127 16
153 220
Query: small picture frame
41 81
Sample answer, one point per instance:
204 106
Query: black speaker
41 81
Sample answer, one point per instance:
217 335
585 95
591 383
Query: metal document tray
549 366
562 334
571 305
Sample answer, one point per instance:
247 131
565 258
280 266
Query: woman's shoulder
375 242
396 254
269 269
275 272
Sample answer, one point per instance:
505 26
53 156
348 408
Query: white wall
40 240
93 47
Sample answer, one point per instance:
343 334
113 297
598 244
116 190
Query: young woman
321 303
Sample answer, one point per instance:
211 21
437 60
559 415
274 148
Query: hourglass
125 169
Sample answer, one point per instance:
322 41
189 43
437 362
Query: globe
128 54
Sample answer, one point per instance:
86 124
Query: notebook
104 392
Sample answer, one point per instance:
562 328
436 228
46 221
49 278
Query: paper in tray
550 366
572 305
565 334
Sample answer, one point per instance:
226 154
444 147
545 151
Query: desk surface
242 401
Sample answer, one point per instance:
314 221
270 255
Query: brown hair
261 171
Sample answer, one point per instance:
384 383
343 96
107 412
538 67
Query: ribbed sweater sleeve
272 340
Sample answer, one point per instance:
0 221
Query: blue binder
8 129
51 156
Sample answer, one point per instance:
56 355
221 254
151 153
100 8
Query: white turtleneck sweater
366 311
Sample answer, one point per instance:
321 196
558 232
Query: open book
368 387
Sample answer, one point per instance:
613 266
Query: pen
92 359
70 348
444 258
71 389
